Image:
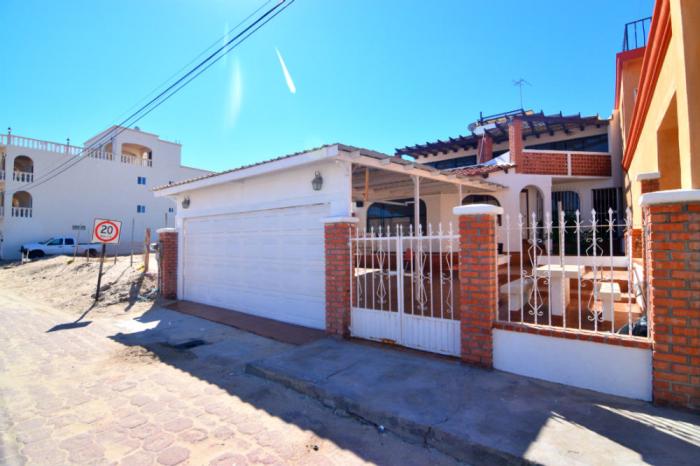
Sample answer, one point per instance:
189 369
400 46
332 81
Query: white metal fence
572 274
404 287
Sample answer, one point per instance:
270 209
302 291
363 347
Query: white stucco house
113 180
251 238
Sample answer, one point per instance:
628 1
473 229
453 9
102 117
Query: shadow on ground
475 415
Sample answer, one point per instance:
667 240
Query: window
394 213
70 241
171 209
454 163
55 242
141 180
570 203
603 200
141 209
596 143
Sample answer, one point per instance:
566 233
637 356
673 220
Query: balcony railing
22 212
29 143
566 163
22 177
635 35
134 160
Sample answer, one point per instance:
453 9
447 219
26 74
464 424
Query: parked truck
58 245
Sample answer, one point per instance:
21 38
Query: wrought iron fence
585 285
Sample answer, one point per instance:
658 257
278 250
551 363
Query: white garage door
268 263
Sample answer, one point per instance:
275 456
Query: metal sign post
105 232
99 274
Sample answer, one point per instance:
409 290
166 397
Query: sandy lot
68 284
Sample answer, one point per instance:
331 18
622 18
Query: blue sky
378 74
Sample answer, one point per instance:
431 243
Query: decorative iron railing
564 273
404 287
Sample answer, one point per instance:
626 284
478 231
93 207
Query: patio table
561 283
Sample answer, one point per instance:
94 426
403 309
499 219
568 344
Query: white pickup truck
58 245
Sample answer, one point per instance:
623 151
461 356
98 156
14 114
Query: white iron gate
404 288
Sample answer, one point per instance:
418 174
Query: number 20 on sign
106 231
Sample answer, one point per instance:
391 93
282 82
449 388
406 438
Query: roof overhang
389 163
354 155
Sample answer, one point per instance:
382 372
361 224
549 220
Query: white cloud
287 76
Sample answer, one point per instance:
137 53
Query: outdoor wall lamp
317 182
186 202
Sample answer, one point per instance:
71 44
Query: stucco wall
92 188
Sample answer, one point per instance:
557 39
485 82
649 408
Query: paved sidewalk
165 389
484 417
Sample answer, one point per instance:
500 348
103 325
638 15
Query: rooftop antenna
520 83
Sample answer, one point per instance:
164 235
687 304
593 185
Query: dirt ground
68 284
130 388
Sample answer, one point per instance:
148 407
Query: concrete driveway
163 389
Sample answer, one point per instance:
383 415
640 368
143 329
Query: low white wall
617 370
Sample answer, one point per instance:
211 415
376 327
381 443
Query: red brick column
672 249
338 231
167 238
649 182
478 281
515 144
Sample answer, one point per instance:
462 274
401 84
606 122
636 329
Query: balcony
22 177
134 160
22 212
566 163
65 149
635 35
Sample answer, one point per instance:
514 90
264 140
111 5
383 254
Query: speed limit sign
106 231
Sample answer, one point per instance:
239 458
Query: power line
135 117
184 67
170 91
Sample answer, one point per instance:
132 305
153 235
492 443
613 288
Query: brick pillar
637 242
649 182
485 149
167 239
515 143
478 281
672 249
338 231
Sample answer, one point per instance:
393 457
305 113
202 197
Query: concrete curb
459 447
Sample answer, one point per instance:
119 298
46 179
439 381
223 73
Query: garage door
269 263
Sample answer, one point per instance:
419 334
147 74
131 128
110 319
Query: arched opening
23 169
21 204
532 210
136 153
393 214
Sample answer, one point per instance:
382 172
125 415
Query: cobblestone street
75 394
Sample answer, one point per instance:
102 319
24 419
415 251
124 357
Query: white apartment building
113 181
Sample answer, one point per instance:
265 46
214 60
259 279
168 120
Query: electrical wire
170 91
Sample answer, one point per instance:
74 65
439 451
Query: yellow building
657 101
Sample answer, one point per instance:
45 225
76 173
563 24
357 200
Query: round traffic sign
106 231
